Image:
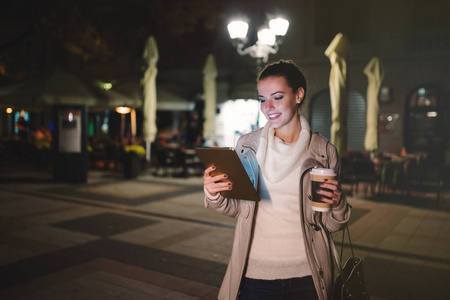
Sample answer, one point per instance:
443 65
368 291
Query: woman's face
278 102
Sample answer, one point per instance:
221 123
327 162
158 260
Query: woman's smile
274 116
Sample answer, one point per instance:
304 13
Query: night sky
103 31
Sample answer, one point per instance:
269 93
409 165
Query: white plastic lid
323 172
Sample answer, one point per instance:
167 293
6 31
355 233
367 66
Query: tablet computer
227 162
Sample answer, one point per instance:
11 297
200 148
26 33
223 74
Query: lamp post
9 112
270 37
122 110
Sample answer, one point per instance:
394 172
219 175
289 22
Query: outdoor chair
364 172
392 176
346 174
443 183
98 156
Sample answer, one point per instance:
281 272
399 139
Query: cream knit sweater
277 250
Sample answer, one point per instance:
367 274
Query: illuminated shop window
21 119
425 123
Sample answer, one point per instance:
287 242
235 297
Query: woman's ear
299 95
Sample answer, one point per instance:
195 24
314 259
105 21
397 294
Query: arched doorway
356 120
425 128
321 113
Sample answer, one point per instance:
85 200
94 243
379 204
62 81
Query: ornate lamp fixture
269 38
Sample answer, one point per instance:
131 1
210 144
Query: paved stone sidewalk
152 238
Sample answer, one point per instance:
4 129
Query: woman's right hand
216 184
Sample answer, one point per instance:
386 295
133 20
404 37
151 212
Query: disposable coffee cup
318 176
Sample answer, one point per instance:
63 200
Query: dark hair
287 69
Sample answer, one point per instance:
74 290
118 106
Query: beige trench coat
320 153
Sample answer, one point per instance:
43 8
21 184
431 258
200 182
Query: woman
280 249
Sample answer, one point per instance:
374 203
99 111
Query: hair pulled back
287 69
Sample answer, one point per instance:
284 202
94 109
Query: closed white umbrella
210 95
337 52
151 56
375 74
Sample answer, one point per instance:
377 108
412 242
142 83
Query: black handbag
349 284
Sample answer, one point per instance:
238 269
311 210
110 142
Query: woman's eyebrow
271 94
274 93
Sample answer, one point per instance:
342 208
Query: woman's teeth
274 116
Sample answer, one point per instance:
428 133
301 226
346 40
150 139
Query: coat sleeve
226 206
337 218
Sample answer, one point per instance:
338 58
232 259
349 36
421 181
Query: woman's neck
289 133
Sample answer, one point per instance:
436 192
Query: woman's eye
279 98
262 100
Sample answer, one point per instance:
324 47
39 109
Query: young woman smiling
280 249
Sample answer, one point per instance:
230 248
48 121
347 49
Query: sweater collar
275 167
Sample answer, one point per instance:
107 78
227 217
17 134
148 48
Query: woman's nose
269 104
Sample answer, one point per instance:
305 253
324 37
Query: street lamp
9 112
122 110
269 38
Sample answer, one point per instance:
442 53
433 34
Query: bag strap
349 240
335 255
337 258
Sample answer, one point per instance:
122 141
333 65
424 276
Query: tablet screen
227 162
